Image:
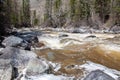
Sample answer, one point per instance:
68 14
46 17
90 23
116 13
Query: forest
60 13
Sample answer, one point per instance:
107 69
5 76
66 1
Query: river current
78 54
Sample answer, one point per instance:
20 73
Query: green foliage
34 14
72 8
117 12
46 16
117 7
57 4
47 12
79 9
84 9
102 8
36 21
26 11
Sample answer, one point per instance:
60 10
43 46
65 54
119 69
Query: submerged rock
36 67
91 36
76 31
6 70
50 56
63 35
98 75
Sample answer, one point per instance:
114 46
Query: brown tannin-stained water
77 49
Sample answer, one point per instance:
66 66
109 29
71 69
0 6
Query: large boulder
12 41
30 37
18 57
6 70
23 40
36 67
98 75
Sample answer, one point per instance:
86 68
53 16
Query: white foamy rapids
51 42
56 66
110 47
55 42
48 77
90 66
45 77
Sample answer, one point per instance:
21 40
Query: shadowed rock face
98 75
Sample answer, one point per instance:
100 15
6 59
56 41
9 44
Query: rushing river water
79 54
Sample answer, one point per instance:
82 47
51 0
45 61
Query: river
78 54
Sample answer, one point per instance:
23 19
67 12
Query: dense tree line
14 13
97 13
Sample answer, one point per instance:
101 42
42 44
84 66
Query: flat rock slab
98 75
6 70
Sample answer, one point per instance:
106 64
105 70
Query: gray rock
91 36
17 56
6 70
76 31
98 75
115 29
12 41
63 35
30 37
118 78
36 67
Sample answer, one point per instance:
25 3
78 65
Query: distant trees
20 13
14 13
97 13
25 13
